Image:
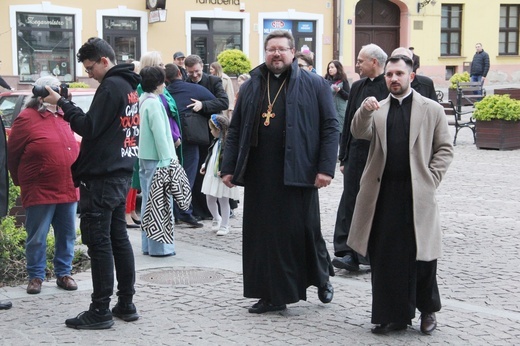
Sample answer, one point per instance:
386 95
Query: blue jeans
103 229
62 217
476 78
149 246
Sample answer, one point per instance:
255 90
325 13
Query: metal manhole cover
181 276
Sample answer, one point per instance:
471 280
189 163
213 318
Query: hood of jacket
125 71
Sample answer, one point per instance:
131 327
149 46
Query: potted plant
498 122
234 62
452 89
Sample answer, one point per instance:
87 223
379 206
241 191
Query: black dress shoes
386 328
428 323
346 262
5 305
265 306
191 221
326 293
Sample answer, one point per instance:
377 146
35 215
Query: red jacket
40 150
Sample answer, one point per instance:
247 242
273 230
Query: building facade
42 37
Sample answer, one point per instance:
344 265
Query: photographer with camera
41 149
103 172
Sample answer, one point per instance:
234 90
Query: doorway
378 22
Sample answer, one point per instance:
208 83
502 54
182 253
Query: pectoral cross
268 115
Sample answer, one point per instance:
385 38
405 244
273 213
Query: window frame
447 12
508 31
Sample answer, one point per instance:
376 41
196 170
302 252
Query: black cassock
283 249
397 278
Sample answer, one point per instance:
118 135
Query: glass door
199 46
123 34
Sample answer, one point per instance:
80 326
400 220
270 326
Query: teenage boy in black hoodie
103 171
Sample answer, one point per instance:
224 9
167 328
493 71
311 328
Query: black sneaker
91 319
125 311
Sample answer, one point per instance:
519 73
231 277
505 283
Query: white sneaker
215 225
223 230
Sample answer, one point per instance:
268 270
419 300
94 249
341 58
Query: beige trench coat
431 152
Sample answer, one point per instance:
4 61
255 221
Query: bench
455 118
468 93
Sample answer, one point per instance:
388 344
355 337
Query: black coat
480 64
311 138
213 84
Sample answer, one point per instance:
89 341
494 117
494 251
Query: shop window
45 45
123 34
212 36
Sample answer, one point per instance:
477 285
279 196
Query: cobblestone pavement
195 297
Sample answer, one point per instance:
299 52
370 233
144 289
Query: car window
83 101
7 105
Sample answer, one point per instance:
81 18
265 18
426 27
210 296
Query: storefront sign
305 27
271 25
218 2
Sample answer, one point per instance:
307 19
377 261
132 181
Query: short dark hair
193 59
396 58
171 71
94 49
280 34
151 78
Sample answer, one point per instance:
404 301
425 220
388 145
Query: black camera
40 91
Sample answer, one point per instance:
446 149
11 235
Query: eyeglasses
279 50
91 67
302 65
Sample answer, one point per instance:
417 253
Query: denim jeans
103 229
476 78
148 246
62 217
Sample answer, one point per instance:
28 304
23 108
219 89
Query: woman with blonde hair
216 70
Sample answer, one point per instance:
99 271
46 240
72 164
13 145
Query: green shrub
12 248
12 251
497 107
78 85
234 62
458 77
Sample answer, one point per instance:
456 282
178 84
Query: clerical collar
401 98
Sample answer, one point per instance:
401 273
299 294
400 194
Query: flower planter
498 134
514 93
452 95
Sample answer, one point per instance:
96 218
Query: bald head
403 51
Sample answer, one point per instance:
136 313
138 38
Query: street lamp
423 3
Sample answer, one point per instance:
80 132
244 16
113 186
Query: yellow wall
480 23
173 35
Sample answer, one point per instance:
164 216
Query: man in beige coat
396 219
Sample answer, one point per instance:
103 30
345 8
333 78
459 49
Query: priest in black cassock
281 146
396 216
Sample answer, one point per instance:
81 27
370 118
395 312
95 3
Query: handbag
194 129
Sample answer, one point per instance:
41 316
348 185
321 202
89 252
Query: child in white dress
212 185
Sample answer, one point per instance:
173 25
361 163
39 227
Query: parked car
12 102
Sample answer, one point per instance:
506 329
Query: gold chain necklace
269 114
